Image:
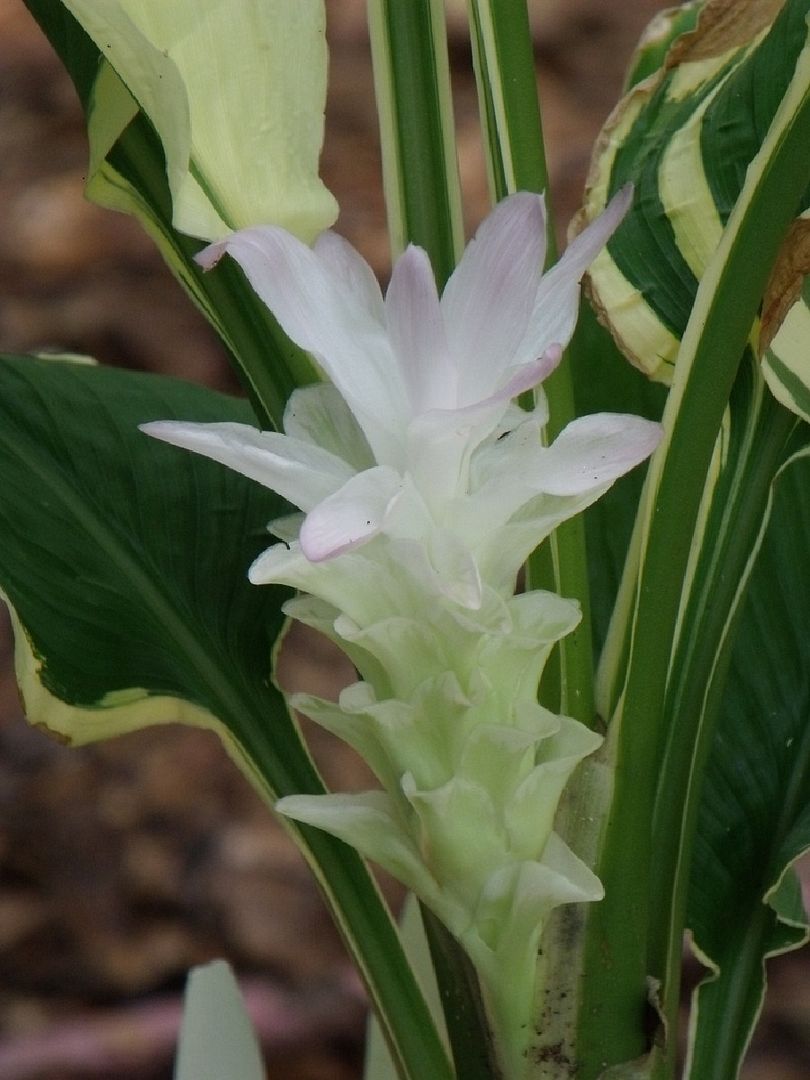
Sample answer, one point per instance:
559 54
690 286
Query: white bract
235 90
422 489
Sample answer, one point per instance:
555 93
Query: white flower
423 488
415 438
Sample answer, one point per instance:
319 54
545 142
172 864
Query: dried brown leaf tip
786 281
724 25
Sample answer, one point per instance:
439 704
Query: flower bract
420 487
216 78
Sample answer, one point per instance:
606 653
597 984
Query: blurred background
123 864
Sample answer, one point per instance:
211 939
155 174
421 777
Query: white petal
315 305
286 528
458 576
299 472
319 415
557 301
489 298
350 516
592 452
280 564
416 330
350 267
525 377
369 822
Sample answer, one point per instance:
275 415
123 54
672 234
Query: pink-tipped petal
489 298
556 304
528 376
417 334
210 256
351 516
593 451
300 472
312 297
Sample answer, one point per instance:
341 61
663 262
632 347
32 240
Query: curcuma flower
422 489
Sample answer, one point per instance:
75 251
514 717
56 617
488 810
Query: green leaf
686 138
786 323
605 382
627 931
378 1065
507 100
504 64
125 563
744 900
665 28
414 103
216 1037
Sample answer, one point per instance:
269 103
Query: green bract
235 90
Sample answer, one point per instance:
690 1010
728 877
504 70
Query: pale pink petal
593 451
300 472
314 303
556 304
353 270
488 300
350 516
417 334
519 380
518 472
440 442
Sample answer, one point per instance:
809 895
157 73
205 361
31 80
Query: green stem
412 87
616 960
513 141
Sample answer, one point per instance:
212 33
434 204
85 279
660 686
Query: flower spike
423 490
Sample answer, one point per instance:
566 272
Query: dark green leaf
686 139
605 382
125 561
744 903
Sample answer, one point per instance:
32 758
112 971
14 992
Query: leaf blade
126 561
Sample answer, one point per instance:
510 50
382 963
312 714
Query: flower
415 435
235 90
422 488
